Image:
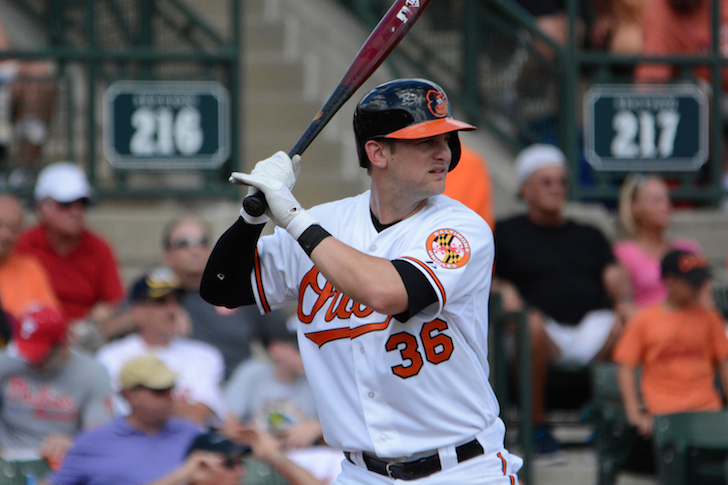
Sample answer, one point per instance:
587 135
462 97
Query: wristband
302 221
311 238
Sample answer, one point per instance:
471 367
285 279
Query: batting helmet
406 109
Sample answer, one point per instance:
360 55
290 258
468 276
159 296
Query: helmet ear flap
455 150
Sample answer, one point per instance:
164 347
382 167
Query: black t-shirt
556 269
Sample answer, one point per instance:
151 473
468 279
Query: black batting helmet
406 109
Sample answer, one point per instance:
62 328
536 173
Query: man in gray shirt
48 392
186 248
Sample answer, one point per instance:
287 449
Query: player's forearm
369 280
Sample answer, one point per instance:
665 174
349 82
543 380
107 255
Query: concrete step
274 76
281 113
260 36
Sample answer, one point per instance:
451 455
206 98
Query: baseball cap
536 157
148 371
37 332
687 266
217 443
155 284
62 182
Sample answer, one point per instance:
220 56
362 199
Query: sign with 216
166 124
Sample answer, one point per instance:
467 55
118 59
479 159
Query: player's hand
283 208
277 171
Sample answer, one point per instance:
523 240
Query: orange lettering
341 308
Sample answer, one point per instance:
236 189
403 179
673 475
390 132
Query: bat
384 38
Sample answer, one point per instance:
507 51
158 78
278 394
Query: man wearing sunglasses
139 448
186 246
81 265
155 310
563 273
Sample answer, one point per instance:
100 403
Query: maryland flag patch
448 248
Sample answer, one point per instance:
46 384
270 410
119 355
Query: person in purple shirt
137 449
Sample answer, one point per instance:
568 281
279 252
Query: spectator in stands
81 265
186 248
274 396
215 460
562 272
618 26
684 27
471 185
155 308
23 280
137 449
150 447
679 27
645 213
679 343
27 91
48 392
6 324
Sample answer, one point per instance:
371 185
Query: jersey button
371 395
372 248
383 437
361 349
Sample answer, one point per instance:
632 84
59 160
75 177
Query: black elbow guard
226 280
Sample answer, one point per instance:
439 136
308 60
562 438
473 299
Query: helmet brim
430 128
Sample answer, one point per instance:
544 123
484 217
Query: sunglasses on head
189 242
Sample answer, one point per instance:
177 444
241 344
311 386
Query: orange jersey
24 281
679 352
470 184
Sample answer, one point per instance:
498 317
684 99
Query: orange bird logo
437 103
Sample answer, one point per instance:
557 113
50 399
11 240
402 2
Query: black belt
424 467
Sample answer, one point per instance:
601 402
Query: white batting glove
278 171
282 207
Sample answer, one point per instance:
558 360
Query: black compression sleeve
226 280
419 291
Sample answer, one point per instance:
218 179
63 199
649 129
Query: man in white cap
81 265
562 272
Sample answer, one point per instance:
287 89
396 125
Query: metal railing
92 44
508 76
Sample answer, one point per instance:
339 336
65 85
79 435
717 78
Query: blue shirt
118 454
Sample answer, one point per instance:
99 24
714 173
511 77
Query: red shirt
82 278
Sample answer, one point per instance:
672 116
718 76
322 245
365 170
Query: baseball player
392 291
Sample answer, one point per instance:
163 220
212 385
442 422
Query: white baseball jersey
381 386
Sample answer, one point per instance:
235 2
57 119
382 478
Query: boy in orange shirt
679 343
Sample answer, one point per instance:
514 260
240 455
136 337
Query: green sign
166 124
661 128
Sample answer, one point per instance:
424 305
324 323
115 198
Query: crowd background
108 318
